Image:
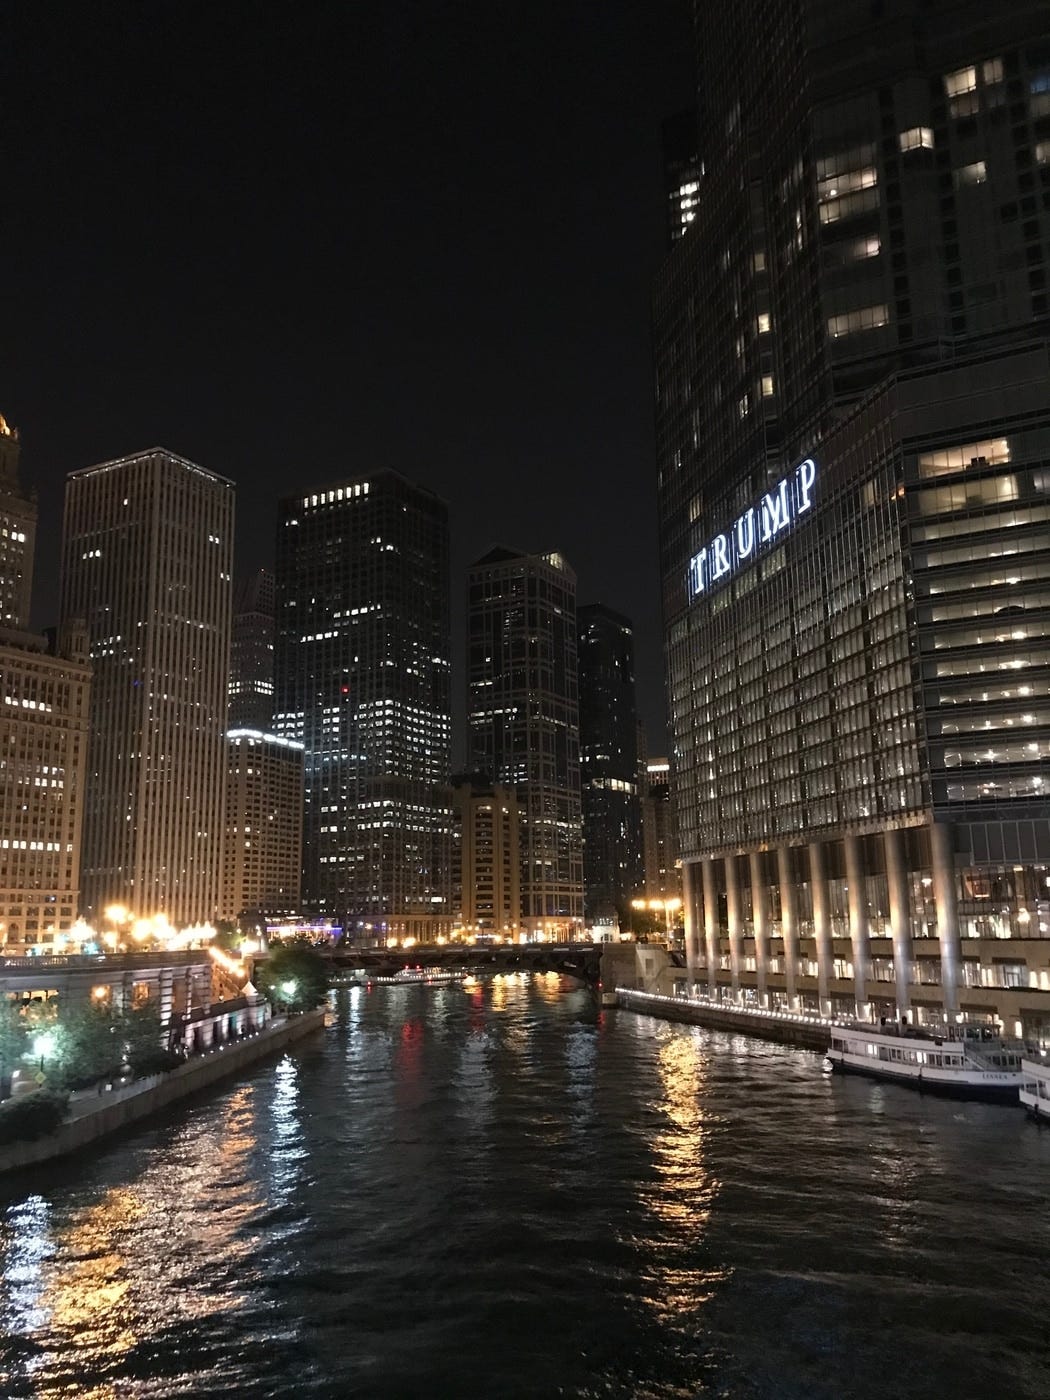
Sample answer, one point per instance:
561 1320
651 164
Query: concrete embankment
812 1033
124 1107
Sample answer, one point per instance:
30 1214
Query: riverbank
92 1120
785 1027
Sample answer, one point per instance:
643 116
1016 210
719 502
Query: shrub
32 1116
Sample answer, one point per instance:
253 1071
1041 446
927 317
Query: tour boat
420 977
1035 1088
968 1062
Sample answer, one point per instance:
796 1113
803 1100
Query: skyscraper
853 430
251 652
486 858
146 559
612 838
363 682
523 721
17 534
263 837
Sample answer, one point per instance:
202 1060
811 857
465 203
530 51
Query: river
498 1191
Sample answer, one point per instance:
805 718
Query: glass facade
859 678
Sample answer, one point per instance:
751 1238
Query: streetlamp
288 990
44 1047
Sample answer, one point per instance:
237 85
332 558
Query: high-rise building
853 440
146 560
662 878
523 721
17 534
263 837
612 836
363 682
682 172
251 652
486 859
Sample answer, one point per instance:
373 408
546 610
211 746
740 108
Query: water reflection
682 1191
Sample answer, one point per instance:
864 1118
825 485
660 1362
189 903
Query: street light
288 989
43 1047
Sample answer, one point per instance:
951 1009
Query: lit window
744 406
957 84
760 262
956 459
763 323
864 318
767 385
916 138
974 174
992 70
1042 153
867 247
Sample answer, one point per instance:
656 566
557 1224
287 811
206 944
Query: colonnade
703 926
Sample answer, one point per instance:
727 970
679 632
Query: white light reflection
288 1149
682 1190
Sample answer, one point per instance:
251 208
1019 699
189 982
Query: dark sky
295 242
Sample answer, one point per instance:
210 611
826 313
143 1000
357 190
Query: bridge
580 960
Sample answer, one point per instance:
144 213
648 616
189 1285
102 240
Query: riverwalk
809 1030
93 1116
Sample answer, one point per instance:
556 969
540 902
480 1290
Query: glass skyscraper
523 721
853 436
362 680
612 833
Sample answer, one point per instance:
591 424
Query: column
691 920
760 920
900 918
944 896
736 933
711 925
859 922
818 885
788 924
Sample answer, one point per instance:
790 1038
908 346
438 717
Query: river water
498 1191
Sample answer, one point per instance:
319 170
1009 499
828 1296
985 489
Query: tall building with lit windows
852 375
17 534
610 799
251 652
523 722
262 862
147 553
362 681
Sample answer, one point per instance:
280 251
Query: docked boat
967 1062
1035 1088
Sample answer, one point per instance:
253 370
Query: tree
12 1040
294 977
88 1045
142 1036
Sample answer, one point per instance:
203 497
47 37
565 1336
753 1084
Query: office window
864 318
916 138
974 174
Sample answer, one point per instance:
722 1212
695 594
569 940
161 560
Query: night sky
297 242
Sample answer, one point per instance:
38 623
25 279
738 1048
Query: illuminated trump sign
777 511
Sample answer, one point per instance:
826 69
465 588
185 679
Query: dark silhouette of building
682 172
523 721
853 430
251 652
612 838
362 681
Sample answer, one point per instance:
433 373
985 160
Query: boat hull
957 1085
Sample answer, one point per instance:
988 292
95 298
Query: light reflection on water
496 1190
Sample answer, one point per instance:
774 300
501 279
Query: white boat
420 977
968 1062
1035 1088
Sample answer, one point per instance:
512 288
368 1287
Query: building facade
486 860
610 800
17 534
659 844
251 652
523 721
853 437
363 682
263 836
146 559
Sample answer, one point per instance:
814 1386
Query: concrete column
736 930
692 922
711 925
788 924
859 922
760 921
900 918
947 914
818 885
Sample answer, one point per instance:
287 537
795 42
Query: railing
73 962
